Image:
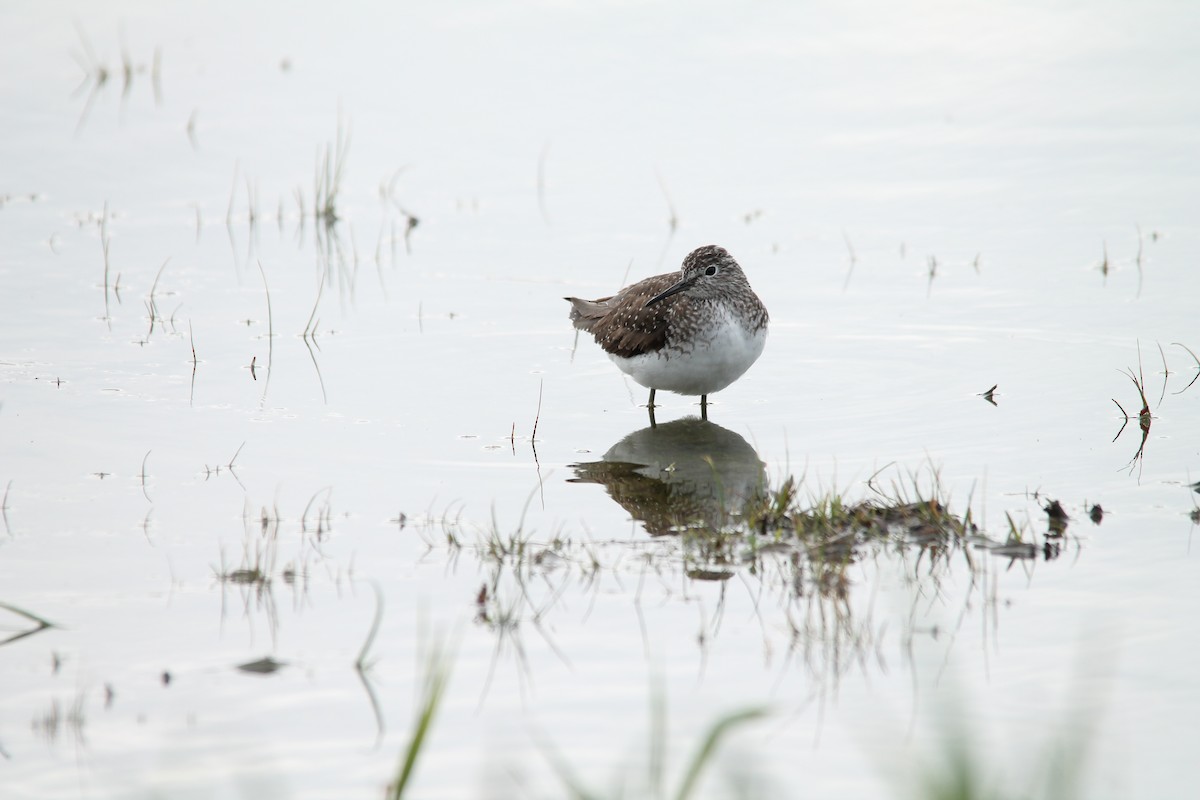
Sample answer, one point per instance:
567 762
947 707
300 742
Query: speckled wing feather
622 324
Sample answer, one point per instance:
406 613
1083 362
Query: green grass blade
437 676
709 746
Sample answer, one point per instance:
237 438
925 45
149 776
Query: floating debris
1015 549
263 666
1058 518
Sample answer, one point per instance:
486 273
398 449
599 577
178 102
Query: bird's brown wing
622 324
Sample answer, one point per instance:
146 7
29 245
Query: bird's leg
653 423
651 406
704 407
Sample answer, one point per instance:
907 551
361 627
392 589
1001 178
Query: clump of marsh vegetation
800 555
254 575
327 180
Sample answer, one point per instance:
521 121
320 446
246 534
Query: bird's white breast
718 353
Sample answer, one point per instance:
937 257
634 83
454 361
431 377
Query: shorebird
691 332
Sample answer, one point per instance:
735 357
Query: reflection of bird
682 472
690 332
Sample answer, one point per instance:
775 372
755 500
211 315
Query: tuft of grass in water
52 723
327 182
1144 417
259 556
825 520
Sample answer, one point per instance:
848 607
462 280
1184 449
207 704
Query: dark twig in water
361 667
235 455
1124 423
1144 417
192 342
309 337
990 394
533 446
4 508
230 465
151 305
1166 374
143 476
537 416
322 514
376 709
42 624
1139 381
1139 261
104 248
270 330
308 343
1197 360
310 329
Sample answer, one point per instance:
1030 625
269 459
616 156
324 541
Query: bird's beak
679 287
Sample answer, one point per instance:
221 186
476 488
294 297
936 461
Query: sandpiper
690 332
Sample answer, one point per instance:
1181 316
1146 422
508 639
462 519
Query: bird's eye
710 271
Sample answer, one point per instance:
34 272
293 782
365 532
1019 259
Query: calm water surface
931 200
